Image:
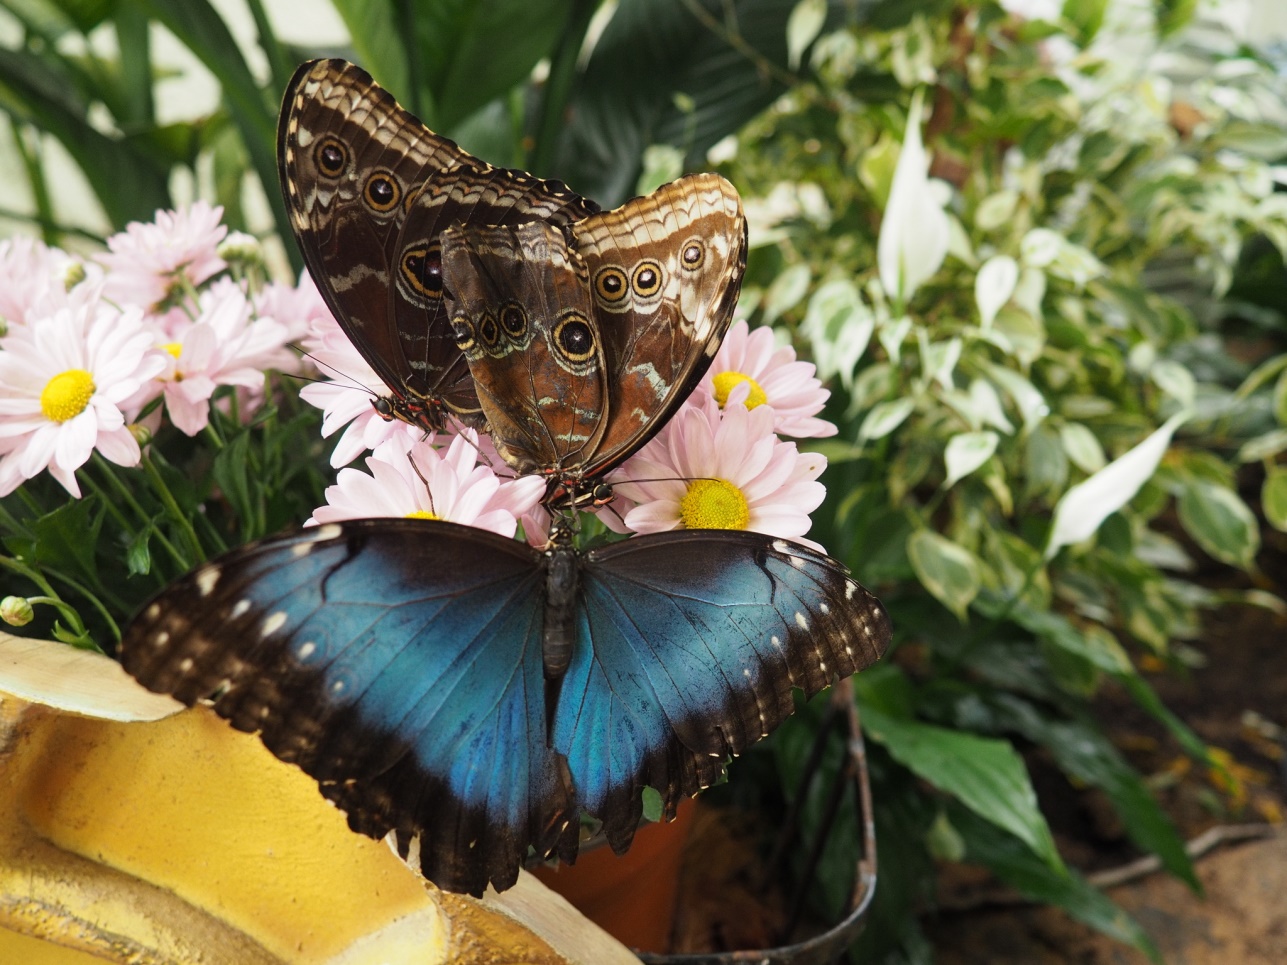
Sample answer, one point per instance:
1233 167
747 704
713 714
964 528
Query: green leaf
1220 522
986 775
67 538
199 26
652 804
949 571
730 65
966 452
1082 447
380 45
1085 754
458 42
1014 863
1273 498
129 184
884 418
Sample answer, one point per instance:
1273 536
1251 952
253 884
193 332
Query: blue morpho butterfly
475 695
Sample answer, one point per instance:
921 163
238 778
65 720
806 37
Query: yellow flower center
174 348
714 504
423 514
66 395
726 382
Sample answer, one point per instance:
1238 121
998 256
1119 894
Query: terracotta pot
631 897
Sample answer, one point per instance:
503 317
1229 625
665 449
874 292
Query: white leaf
803 26
993 286
914 232
1082 447
1084 507
1040 247
1175 380
1032 404
884 418
966 452
1030 291
938 360
986 405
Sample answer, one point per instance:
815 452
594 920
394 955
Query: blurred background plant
1035 249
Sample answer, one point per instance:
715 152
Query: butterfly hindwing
522 316
369 189
625 310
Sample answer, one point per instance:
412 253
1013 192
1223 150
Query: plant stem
123 491
176 514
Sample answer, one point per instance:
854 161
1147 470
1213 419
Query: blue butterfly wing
696 639
396 661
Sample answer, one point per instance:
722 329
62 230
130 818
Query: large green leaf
1015 864
988 776
129 184
458 41
680 72
1220 522
1085 754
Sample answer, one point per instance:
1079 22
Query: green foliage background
1000 650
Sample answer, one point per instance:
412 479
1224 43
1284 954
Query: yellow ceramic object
179 840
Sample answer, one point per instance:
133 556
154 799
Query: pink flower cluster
718 464
85 347
159 322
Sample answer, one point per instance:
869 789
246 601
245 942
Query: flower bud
16 611
141 433
241 248
73 275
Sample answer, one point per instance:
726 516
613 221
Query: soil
1235 699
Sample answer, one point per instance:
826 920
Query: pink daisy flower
67 379
422 482
713 470
300 308
345 399
34 279
147 263
224 346
752 369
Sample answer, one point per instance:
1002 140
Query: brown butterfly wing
474 193
521 310
624 312
665 273
369 188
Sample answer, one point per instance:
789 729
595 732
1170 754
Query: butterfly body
370 189
583 339
475 694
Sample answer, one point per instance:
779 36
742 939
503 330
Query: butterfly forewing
369 188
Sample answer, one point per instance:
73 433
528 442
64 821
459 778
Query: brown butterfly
584 338
370 190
